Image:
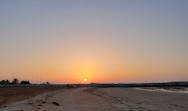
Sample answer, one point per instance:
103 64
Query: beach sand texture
102 99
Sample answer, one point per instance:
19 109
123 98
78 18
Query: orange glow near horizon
76 69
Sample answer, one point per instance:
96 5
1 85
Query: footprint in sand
55 103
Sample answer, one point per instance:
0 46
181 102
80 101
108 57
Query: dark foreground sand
9 95
103 99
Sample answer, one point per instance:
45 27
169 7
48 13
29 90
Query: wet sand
166 89
103 99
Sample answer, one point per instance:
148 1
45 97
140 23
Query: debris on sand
55 103
71 86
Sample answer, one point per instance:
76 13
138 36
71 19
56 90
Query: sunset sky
67 41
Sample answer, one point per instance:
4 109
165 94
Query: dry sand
103 99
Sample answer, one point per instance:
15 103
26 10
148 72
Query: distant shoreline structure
163 84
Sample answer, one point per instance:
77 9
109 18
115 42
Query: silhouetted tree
2 82
25 82
15 81
7 81
47 82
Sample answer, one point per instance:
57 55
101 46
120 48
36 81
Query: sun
85 80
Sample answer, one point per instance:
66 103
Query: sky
103 41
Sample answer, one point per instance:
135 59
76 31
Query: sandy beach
102 99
